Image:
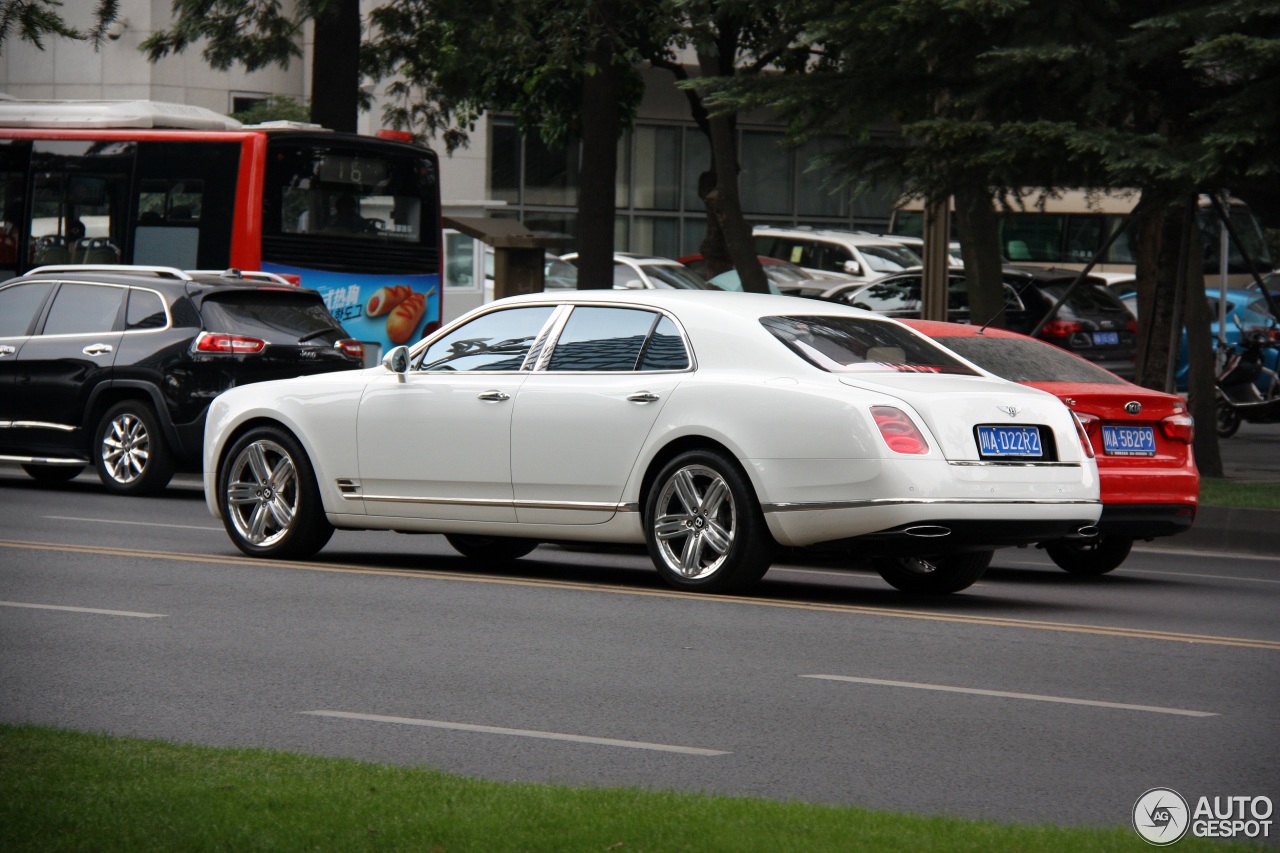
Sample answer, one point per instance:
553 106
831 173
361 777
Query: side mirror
853 267
397 361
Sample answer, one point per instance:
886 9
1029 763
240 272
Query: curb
1231 530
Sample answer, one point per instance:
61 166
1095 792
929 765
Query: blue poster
386 310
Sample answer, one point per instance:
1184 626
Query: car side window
497 341
84 309
145 311
665 348
19 306
602 339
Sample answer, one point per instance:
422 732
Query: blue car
1249 307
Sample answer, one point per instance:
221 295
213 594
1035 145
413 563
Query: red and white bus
143 182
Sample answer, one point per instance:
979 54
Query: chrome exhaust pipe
928 531
1087 532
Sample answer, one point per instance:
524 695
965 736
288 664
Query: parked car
1140 437
648 272
863 256
665 417
1245 309
784 276
115 366
1092 322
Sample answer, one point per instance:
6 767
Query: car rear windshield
857 345
1088 301
1020 360
276 316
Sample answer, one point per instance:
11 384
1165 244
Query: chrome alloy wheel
126 447
262 493
695 522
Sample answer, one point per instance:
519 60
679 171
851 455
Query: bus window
78 209
185 203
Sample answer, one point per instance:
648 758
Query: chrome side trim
584 506
992 463
36 425
832 505
44 460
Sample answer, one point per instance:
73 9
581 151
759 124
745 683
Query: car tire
937 575
1095 556
704 527
130 450
490 549
269 499
53 473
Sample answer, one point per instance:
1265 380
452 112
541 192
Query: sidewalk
1252 455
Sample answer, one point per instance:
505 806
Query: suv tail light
351 347
224 344
1086 425
1179 428
1060 329
898 430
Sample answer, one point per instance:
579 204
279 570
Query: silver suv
865 257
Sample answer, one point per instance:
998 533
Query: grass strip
72 791
1236 493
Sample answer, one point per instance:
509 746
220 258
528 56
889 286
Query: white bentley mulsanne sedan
714 427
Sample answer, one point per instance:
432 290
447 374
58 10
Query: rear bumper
951 535
1145 521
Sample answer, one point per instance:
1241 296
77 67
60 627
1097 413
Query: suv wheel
130 454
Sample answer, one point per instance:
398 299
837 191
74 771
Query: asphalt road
1034 696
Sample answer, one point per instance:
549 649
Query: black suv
1092 323
115 366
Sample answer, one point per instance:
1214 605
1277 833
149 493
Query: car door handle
97 349
644 397
5 349
495 396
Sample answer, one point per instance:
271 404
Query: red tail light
1086 425
1060 329
899 431
1179 428
353 348
1131 326
217 342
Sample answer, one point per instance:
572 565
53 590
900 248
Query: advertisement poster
383 311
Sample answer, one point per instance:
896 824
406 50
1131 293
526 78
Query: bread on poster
404 318
385 299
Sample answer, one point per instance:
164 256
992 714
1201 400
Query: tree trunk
1201 396
1159 238
979 229
335 67
723 202
601 126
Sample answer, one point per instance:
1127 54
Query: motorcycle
1248 390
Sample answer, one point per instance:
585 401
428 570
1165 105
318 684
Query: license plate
1106 339
1001 441
1129 440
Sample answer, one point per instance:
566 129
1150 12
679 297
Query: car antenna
1003 308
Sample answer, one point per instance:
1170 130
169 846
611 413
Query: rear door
20 307
59 369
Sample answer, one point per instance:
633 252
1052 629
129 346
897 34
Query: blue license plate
1106 339
1006 441
1129 440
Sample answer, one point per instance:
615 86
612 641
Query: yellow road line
435 574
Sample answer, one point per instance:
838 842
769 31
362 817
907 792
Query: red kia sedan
1140 437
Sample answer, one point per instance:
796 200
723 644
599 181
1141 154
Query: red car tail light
1131 326
1179 428
223 344
899 431
1084 425
353 348
1060 329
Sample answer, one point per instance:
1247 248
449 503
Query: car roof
853 237
748 306
163 278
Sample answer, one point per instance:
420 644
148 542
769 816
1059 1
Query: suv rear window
276 316
857 345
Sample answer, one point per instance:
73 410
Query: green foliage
274 108
252 33
35 20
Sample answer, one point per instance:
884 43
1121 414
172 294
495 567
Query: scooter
1247 389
